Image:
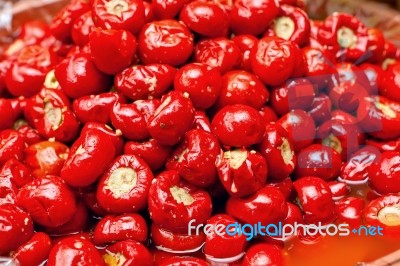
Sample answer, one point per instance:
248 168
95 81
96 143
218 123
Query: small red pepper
119 14
50 113
129 226
46 158
242 172
202 82
148 81
315 199
174 203
277 149
345 36
112 50
384 212
12 145
195 158
48 200
74 250
291 24
16 228
152 152
124 187
172 118
88 158
267 205
35 251
176 242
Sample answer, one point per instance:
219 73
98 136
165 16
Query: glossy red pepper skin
35 251
384 174
130 121
201 121
147 107
16 228
202 82
285 186
48 200
78 76
238 125
319 68
176 242
301 25
62 23
268 205
351 46
77 224
12 145
350 211
88 158
245 42
294 94
46 158
268 114
320 161
205 18
378 213
195 157
343 117
344 138
225 245
348 72
112 229
379 117
29 135
81 29
128 252
346 96
173 46
125 185
16 173
225 56
300 127
267 254
112 50
49 112
7 114
172 118
74 250
242 87
96 108
321 108
27 73
148 81
272 60
376 45
316 200
389 84
89 198
277 149
152 152
339 189
242 172
252 17
357 167
391 145
173 202
374 75
106 131
124 15
181 261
